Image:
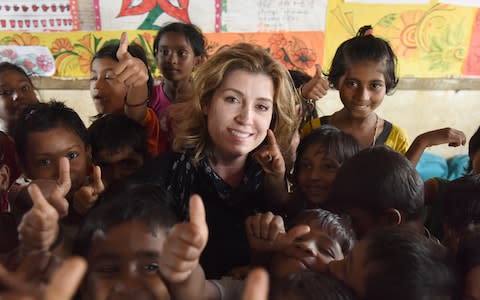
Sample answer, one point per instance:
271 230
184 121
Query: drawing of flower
304 58
24 39
62 44
155 8
44 63
28 65
9 53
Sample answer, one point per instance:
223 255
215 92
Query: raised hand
270 157
184 244
38 228
130 70
256 287
317 87
266 232
87 195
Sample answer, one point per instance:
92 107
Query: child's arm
271 160
86 197
266 234
256 287
317 87
450 136
179 263
134 74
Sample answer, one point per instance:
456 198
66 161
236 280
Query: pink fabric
159 105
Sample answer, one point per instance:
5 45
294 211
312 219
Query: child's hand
87 195
130 70
270 157
317 87
38 228
61 285
184 244
256 287
450 136
266 232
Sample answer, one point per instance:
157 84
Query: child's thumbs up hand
130 70
270 157
87 195
38 228
184 244
317 87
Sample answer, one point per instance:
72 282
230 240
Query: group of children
177 190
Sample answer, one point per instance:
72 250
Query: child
319 155
178 48
378 187
53 150
396 263
122 240
8 230
363 71
120 81
468 266
16 91
461 209
119 146
474 153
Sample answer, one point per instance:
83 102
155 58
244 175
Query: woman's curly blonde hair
190 123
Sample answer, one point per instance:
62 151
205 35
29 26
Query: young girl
319 155
120 82
363 71
178 48
16 91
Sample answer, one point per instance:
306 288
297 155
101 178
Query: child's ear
391 217
4 178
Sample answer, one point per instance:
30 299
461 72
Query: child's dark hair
462 203
40 117
309 285
473 147
363 48
110 51
377 179
335 142
193 35
147 203
114 131
467 258
337 227
401 263
6 66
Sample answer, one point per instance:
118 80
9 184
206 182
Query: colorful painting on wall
38 16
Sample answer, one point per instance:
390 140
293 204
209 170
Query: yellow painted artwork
430 40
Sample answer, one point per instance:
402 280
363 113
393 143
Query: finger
256 287
39 201
64 179
296 232
122 51
256 225
277 226
97 185
318 71
197 211
265 223
272 141
66 279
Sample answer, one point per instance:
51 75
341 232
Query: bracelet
136 105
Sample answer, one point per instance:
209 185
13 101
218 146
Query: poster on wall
38 15
213 15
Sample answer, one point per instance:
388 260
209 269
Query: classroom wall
416 111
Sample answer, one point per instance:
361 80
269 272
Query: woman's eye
262 107
231 99
72 155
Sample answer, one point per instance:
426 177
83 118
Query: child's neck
364 130
170 88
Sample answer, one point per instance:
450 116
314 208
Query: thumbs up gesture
38 228
317 87
87 195
184 244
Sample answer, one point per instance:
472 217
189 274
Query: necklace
375 131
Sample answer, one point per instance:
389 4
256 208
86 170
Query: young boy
119 146
378 187
122 239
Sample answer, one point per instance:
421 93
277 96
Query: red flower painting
136 7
